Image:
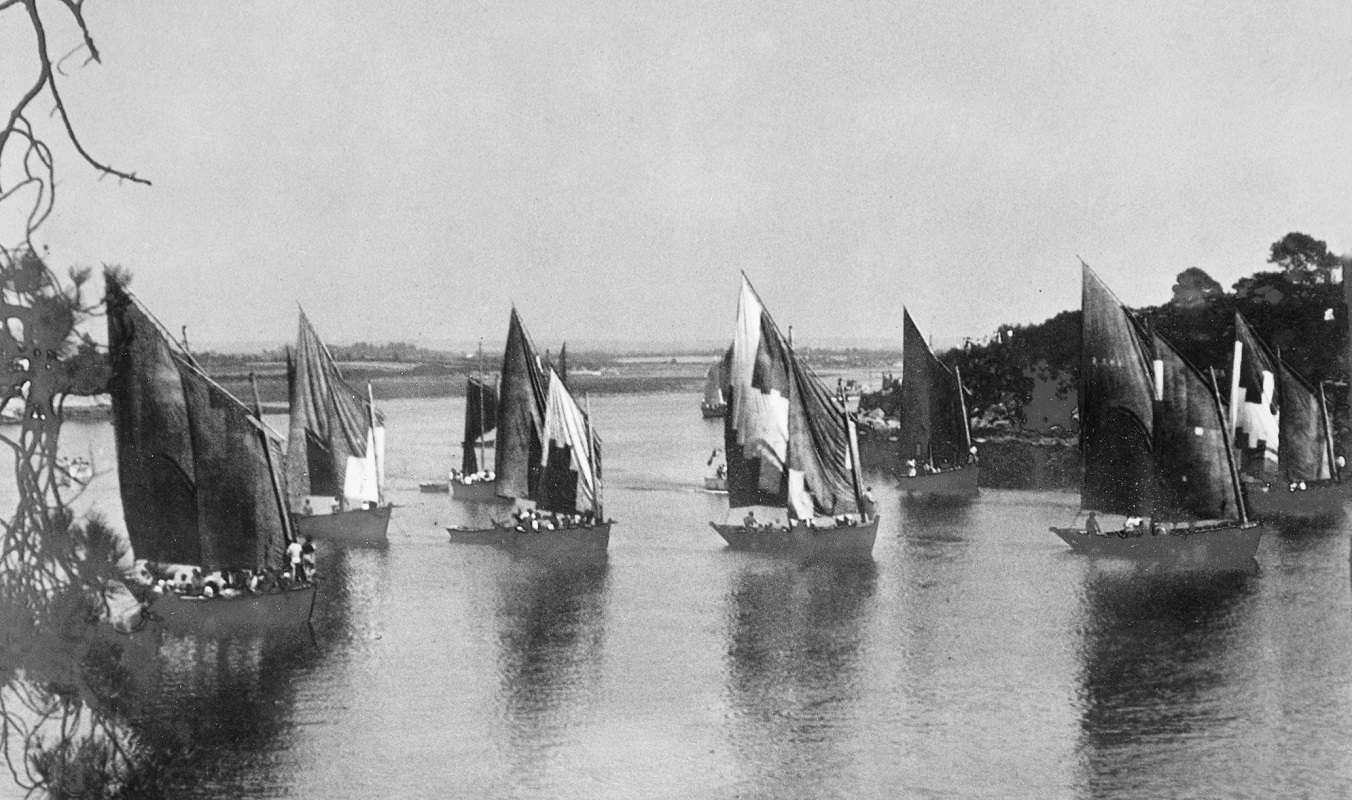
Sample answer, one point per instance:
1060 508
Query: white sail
566 426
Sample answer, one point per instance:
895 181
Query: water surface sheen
974 657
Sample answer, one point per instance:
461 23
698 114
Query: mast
375 446
1229 452
962 408
288 532
591 458
482 435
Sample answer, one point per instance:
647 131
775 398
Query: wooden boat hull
713 412
716 484
842 540
247 614
465 535
1321 502
1221 546
359 526
435 487
481 492
953 485
564 542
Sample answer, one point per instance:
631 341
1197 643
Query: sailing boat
715 405
1154 441
475 482
936 437
521 405
199 476
335 450
1281 426
789 444
569 484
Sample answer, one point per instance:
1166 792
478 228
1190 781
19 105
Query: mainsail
933 421
1306 451
1254 404
481 418
337 441
195 467
521 412
570 479
788 439
1152 431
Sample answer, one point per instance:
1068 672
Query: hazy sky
407 170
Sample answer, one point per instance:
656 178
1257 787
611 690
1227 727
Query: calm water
975 657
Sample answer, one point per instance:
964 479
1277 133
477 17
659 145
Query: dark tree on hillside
1302 257
1195 288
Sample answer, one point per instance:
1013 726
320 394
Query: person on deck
307 508
293 557
910 467
749 522
1091 525
307 560
868 506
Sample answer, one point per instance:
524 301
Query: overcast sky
408 170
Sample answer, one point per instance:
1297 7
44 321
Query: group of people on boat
914 469
531 519
338 506
868 509
1138 526
482 476
161 579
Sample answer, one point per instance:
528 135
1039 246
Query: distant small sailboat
200 479
790 444
521 406
717 480
475 482
1281 427
715 405
1155 444
935 439
335 450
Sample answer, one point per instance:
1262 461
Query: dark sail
1304 448
481 418
933 426
1255 403
1116 414
330 421
154 447
1191 453
787 438
563 363
521 411
194 465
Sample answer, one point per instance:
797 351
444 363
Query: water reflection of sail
795 633
550 626
1161 670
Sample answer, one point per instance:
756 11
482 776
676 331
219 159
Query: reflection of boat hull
434 487
716 484
840 540
480 492
463 535
714 410
1321 502
1218 546
238 615
359 526
951 485
590 540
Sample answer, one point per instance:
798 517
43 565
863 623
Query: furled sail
521 412
1254 403
481 418
1116 414
787 438
196 469
569 481
1192 456
933 424
332 448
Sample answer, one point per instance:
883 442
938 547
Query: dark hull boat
464 534
952 485
715 484
801 539
586 540
199 477
935 432
335 448
1155 445
236 616
1282 431
1229 546
479 492
713 411
358 526
434 487
789 443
